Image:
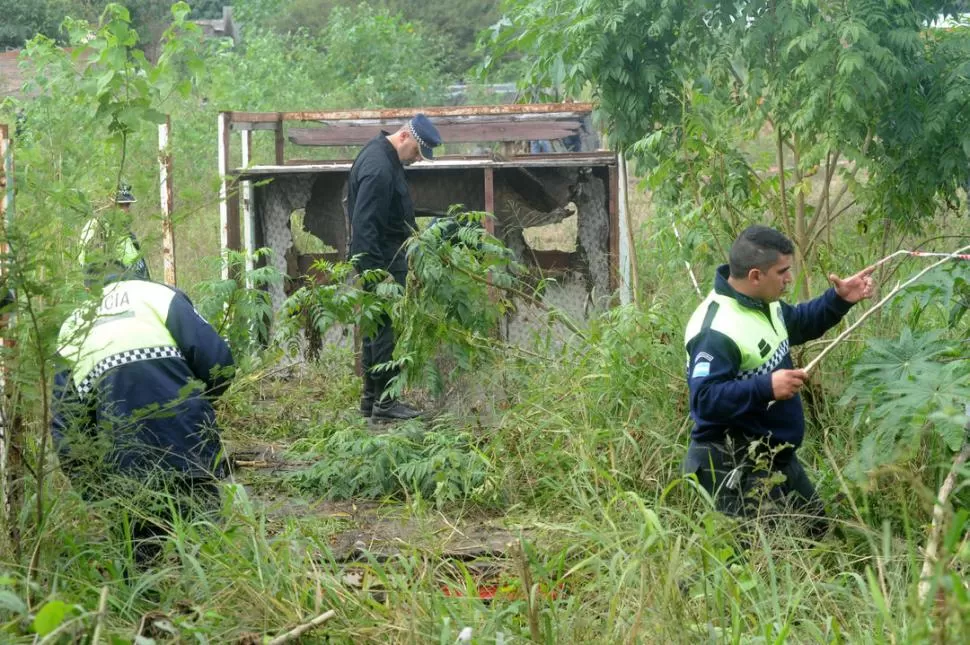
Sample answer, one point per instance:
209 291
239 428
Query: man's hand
786 383
855 288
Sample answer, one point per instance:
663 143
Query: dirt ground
367 528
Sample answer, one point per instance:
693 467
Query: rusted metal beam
394 123
253 126
251 118
457 133
552 160
280 140
167 199
476 119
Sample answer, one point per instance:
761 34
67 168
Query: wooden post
224 141
11 425
167 199
249 221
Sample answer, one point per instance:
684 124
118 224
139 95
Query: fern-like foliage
240 307
443 467
338 296
457 294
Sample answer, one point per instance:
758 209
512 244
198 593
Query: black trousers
747 480
147 505
379 348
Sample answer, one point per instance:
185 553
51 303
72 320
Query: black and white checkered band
768 366
416 137
124 358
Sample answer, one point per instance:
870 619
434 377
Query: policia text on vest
132 410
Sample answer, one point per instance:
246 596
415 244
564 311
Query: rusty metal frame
489 183
273 120
614 213
236 180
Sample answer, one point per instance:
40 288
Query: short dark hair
758 247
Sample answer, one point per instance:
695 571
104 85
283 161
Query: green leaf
11 602
50 617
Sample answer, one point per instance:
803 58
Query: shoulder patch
701 370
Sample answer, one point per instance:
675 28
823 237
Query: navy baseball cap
124 195
425 134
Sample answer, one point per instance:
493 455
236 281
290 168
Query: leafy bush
343 299
458 292
239 307
440 466
920 381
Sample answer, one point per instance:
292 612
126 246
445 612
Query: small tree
85 104
844 90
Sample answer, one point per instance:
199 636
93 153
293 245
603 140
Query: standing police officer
381 220
744 390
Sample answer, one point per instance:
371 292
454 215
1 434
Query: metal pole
629 275
224 192
167 199
490 200
249 221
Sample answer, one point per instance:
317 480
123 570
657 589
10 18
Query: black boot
393 410
367 396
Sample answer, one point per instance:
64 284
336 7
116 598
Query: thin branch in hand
889 296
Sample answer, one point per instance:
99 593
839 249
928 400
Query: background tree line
453 24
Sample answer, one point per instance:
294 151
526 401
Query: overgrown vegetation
571 446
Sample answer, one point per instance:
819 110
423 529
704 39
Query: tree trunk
802 237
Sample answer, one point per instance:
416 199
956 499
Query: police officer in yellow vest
132 408
108 236
744 389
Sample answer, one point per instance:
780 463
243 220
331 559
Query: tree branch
781 178
871 310
936 530
300 630
828 222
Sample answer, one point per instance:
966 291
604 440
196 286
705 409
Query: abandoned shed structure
580 193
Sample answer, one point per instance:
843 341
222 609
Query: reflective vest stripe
125 358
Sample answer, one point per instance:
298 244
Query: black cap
124 195
425 134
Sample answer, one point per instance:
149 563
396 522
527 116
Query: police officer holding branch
744 388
